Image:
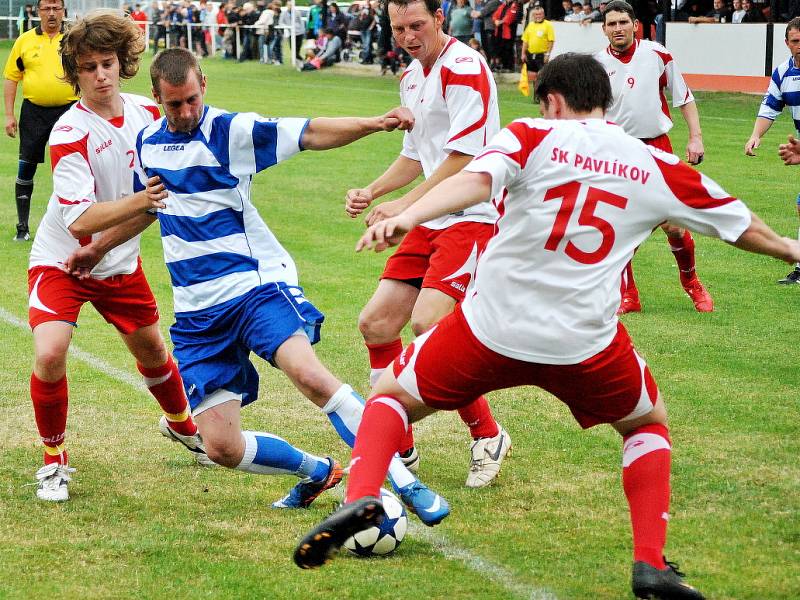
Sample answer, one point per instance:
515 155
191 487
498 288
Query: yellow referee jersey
538 36
35 60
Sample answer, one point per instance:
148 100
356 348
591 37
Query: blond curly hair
102 30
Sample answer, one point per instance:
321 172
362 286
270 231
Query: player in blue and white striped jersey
784 90
235 287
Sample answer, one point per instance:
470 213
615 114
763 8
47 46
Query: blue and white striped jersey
784 90
216 245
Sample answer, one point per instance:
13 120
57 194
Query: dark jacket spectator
753 13
720 14
337 21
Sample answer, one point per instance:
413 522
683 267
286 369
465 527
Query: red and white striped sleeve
673 79
73 180
698 202
508 152
409 147
468 93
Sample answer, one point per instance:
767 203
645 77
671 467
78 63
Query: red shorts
447 368
661 142
125 301
443 259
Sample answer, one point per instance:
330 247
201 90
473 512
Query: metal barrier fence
193 30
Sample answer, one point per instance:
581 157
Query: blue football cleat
429 506
306 491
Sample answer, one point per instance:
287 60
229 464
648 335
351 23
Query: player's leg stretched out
616 380
279 325
130 307
394 304
344 407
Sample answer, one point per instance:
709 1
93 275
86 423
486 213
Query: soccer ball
382 539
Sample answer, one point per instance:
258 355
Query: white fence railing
193 30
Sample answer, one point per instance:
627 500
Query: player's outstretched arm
694 148
400 173
461 191
451 165
325 133
759 238
104 215
761 127
790 151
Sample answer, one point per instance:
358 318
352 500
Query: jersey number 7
568 194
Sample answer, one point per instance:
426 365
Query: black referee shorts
535 62
35 124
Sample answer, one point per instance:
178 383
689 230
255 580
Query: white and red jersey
579 198
638 78
93 160
455 108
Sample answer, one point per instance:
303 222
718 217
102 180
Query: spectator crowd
326 34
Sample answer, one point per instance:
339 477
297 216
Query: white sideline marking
90 359
495 573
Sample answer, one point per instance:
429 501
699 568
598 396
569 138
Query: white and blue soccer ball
382 539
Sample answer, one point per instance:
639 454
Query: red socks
479 419
166 385
683 250
380 357
50 402
383 426
645 478
628 282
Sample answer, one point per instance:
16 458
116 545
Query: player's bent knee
672 231
422 324
223 452
316 384
50 364
375 329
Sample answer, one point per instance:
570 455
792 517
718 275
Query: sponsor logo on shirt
461 59
173 148
459 286
63 128
103 146
413 86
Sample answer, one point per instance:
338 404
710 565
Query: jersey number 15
568 194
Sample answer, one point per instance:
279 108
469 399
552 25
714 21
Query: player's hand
11 127
356 201
695 151
155 193
81 262
398 118
385 234
790 151
751 145
385 210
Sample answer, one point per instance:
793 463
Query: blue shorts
213 347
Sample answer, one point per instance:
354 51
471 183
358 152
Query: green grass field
145 522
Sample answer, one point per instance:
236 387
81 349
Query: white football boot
193 443
53 480
487 455
411 459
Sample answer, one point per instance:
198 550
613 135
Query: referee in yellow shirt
537 43
36 62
